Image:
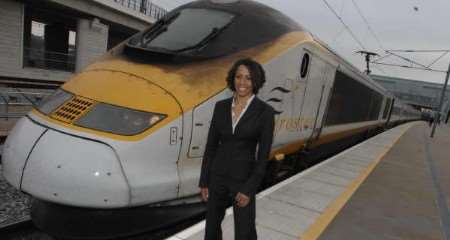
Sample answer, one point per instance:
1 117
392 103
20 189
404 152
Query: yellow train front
118 135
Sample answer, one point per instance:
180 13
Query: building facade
419 94
44 42
49 40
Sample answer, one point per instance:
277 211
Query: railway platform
392 186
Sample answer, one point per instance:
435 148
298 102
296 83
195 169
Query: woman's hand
242 200
205 194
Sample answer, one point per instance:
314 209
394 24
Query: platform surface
407 194
392 186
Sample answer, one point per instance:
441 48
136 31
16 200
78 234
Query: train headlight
118 120
53 101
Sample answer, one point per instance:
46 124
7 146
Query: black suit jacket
233 156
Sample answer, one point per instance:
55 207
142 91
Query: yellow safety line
315 230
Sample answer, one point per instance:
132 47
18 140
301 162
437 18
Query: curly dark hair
257 74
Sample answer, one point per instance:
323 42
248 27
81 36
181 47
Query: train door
194 142
283 92
318 86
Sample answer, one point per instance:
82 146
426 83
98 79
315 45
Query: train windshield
189 28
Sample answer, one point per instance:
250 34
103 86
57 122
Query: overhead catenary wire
379 69
443 51
409 60
416 51
382 57
421 66
338 34
358 9
404 66
345 25
349 29
437 59
342 27
369 27
342 8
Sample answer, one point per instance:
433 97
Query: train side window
304 66
352 101
386 108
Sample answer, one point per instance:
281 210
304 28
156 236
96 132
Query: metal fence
16 102
144 6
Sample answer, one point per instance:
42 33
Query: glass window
352 101
49 40
186 29
53 101
304 66
118 120
386 108
201 30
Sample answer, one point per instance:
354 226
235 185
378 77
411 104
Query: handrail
22 104
144 6
34 57
52 52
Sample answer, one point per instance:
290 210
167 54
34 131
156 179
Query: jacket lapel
252 109
228 120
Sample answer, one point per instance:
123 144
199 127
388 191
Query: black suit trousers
221 195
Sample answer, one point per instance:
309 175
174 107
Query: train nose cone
17 148
62 168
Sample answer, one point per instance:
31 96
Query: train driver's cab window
185 30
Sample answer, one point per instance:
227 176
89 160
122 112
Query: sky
377 26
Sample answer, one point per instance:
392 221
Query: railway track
14 210
19 230
25 230
17 97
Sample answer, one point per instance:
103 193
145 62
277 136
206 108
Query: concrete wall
10 36
92 41
110 11
11 46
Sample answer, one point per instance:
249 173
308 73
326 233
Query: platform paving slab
398 200
290 208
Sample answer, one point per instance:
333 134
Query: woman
232 168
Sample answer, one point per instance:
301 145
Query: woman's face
242 82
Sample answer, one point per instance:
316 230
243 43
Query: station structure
419 94
44 42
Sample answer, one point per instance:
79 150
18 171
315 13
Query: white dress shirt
234 123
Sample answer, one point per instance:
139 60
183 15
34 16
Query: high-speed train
128 132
